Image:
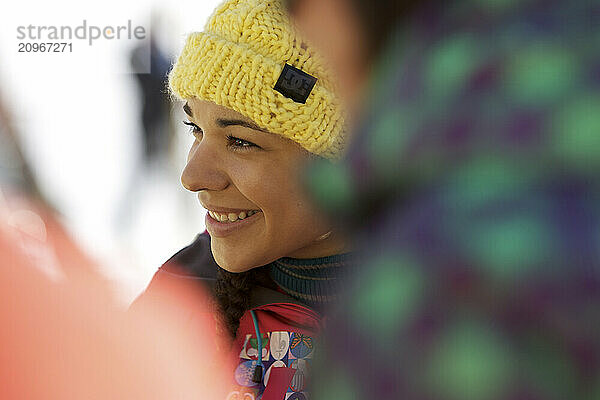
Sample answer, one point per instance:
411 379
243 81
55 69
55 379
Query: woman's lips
221 229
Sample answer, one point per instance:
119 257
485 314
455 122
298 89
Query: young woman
260 104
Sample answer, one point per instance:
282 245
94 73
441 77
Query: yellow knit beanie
251 59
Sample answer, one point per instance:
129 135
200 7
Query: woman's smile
231 216
221 224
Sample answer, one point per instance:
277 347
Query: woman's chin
233 268
232 260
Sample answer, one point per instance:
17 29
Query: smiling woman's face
248 180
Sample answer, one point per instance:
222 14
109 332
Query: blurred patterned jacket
473 191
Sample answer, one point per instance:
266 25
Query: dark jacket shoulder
193 264
194 261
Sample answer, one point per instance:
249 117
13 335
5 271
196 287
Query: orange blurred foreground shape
63 336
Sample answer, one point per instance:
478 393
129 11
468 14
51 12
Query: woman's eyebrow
222 122
187 110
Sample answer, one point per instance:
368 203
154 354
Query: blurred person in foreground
68 338
473 192
64 332
65 336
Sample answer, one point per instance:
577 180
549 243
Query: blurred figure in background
150 65
150 72
472 190
15 172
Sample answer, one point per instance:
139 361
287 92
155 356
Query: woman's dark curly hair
232 292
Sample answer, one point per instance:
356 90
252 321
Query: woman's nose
202 171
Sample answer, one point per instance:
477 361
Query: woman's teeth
231 217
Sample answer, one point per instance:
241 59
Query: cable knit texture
236 61
314 281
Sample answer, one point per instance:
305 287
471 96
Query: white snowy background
78 116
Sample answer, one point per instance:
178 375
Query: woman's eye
239 144
194 129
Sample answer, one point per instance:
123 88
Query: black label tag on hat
295 84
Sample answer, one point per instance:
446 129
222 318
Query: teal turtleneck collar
313 281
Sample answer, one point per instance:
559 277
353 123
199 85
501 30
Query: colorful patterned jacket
286 327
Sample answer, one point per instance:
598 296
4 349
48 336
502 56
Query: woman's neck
331 245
